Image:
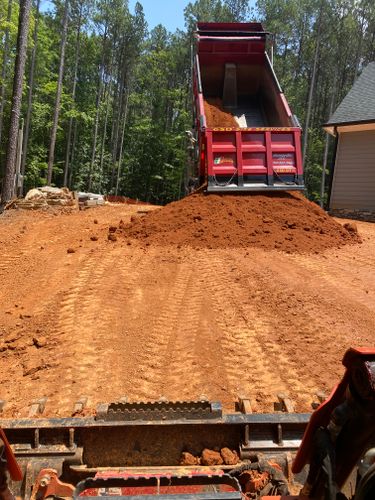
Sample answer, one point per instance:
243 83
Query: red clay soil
124 200
118 318
286 221
216 115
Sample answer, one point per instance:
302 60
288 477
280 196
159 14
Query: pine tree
19 69
56 112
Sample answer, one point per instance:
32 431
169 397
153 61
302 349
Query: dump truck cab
261 150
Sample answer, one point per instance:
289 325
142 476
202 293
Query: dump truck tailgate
253 159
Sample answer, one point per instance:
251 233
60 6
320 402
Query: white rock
34 194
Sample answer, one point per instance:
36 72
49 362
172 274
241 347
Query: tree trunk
96 125
122 140
372 44
312 84
72 155
30 95
284 58
102 148
117 122
19 70
4 67
326 145
300 49
70 128
51 154
359 49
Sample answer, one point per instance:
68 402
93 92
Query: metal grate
159 410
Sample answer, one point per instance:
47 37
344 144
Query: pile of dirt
217 116
284 221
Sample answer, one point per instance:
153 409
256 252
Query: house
352 184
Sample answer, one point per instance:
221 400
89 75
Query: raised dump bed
261 150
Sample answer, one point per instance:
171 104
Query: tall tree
98 101
56 112
239 10
30 94
204 10
326 145
132 50
74 88
19 69
4 66
312 82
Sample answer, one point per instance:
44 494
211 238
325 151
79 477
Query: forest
103 103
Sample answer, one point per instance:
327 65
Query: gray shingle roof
359 103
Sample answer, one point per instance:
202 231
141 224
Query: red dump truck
261 150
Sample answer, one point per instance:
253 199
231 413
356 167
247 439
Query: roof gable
359 103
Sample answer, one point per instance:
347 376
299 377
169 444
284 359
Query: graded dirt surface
217 116
123 318
285 221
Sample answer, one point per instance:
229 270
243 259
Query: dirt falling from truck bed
217 116
284 221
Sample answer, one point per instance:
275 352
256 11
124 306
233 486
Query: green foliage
346 44
133 86
215 11
313 169
36 168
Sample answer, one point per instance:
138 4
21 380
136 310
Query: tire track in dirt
298 340
91 349
297 383
163 325
9 260
127 329
281 338
221 316
249 369
11 244
190 359
343 274
79 318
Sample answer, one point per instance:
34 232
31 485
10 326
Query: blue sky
170 13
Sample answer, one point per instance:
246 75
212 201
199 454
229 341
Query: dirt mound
285 221
216 115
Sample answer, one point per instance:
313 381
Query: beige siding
353 184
